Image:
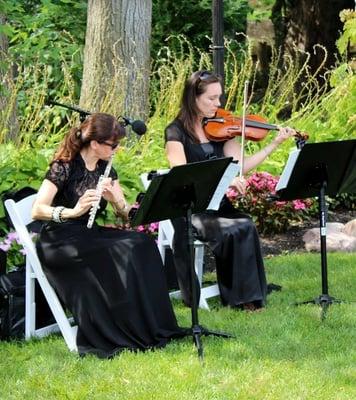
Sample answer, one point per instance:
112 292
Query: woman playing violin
230 234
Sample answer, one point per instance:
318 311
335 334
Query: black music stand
320 169
184 190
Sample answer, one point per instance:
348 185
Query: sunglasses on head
204 75
112 145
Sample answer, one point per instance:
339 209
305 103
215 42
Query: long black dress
231 235
111 280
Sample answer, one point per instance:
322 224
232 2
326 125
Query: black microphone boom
82 113
137 126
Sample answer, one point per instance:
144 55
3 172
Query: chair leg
199 262
30 304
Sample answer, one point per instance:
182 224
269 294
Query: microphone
137 126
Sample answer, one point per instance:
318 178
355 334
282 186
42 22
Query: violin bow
243 128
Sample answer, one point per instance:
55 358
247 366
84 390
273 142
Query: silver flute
99 190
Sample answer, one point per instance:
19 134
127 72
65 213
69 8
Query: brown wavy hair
194 86
98 126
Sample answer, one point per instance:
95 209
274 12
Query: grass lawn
283 352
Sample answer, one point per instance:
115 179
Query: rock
332 227
336 239
350 228
314 233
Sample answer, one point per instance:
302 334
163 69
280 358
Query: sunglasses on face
112 145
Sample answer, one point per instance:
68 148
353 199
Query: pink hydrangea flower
231 194
299 205
140 228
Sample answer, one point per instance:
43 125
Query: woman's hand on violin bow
239 184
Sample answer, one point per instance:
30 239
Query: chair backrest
20 214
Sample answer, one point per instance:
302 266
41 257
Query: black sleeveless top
194 152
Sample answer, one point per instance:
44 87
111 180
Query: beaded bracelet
123 210
57 214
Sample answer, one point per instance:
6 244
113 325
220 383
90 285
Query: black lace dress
111 280
230 234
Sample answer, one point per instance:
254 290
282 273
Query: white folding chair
20 214
165 239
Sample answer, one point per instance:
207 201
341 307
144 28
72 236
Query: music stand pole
184 190
324 300
197 330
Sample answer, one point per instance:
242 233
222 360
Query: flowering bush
150 229
15 253
269 216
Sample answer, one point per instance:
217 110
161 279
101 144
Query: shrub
342 201
150 229
15 253
270 216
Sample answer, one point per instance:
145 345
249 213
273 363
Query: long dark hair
194 86
98 126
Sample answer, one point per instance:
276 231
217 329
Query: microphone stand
82 113
137 126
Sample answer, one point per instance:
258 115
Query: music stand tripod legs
324 300
197 330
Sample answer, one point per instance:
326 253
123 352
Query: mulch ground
292 240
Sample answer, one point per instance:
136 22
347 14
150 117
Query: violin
225 126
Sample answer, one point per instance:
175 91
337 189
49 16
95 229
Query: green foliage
47 33
261 9
342 201
332 115
170 18
20 167
270 216
348 37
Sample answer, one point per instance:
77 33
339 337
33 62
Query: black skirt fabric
234 241
113 283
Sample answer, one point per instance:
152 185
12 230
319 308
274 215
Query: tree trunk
117 57
302 24
8 120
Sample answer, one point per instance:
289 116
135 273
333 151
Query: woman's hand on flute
109 191
85 202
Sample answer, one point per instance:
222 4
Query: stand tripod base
324 301
197 331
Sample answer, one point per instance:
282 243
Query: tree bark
301 24
117 57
